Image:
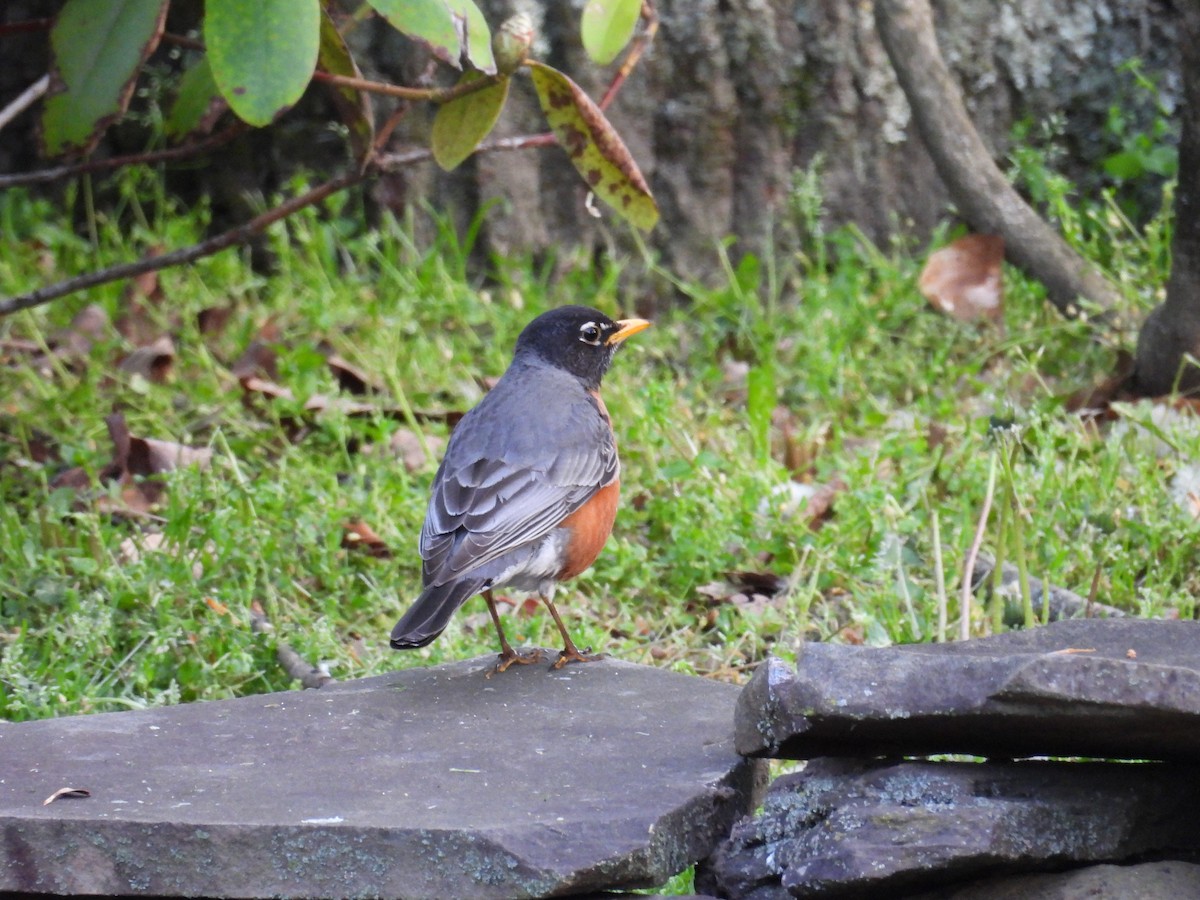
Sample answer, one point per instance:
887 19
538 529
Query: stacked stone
1116 703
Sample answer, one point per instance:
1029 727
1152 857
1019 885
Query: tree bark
732 99
1171 332
983 195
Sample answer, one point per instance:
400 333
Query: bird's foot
574 655
511 657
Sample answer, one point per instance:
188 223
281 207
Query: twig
24 100
391 162
433 95
964 626
25 27
640 43
184 255
184 151
293 663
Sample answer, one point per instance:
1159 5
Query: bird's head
578 339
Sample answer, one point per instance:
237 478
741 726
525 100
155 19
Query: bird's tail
429 615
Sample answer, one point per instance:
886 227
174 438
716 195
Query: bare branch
433 95
984 196
27 98
184 255
184 151
293 663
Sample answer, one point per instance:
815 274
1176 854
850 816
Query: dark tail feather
429 615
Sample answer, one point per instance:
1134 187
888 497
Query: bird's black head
578 339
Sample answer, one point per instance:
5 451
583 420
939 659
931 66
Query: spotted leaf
595 148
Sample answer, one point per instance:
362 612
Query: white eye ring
590 333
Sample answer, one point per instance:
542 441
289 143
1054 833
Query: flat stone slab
1115 688
1169 879
855 828
429 782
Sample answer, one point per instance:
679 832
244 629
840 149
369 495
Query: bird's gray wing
505 487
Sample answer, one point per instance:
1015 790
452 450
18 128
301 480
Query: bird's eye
590 333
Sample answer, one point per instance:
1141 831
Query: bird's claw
515 657
571 654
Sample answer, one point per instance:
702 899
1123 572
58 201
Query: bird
526 494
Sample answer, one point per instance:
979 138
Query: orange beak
629 327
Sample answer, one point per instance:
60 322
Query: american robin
526 494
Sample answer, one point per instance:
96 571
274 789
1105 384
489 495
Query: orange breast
590 526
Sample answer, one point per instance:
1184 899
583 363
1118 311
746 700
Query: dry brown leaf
152 361
132 549
212 320
150 456
319 403
259 359
89 325
135 461
406 445
964 280
350 378
73 793
1096 402
143 293
358 535
269 389
216 606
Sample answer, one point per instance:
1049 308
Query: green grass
879 392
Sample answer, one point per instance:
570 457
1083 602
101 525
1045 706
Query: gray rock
1118 688
845 828
1166 880
424 783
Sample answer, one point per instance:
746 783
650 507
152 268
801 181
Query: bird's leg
508 655
570 652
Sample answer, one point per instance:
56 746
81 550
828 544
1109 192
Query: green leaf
607 26
478 47
193 101
595 148
98 48
353 106
429 21
262 52
462 123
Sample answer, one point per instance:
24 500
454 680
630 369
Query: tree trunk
1171 332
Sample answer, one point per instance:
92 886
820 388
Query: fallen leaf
90 324
216 606
812 501
319 403
137 322
132 549
134 464
212 320
1096 402
259 358
964 279
358 535
73 793
406 446
254 385
150 456
152 361
350 378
